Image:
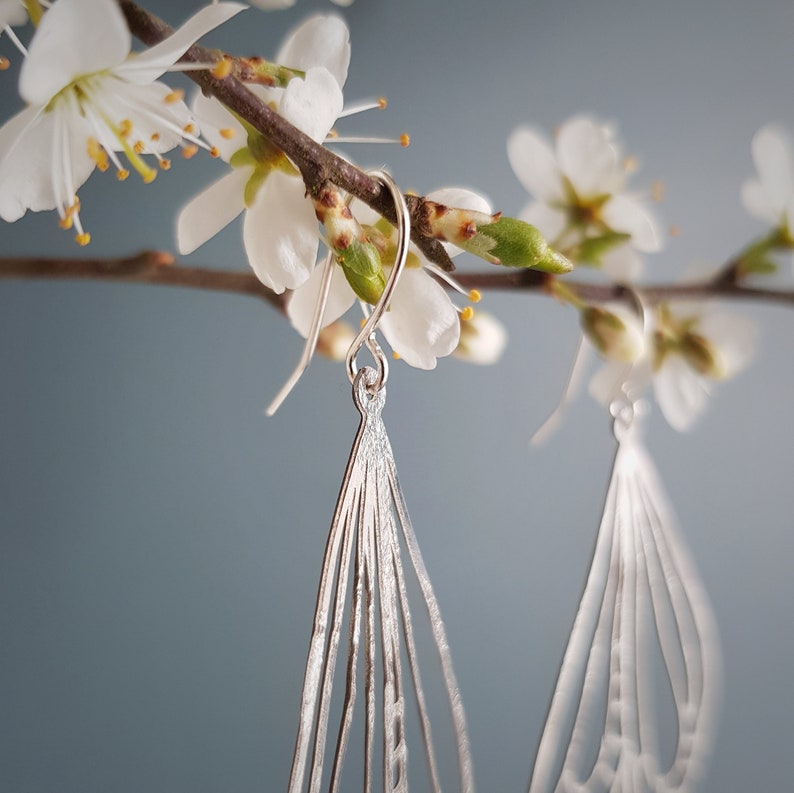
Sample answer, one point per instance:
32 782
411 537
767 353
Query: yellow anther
467 313
382 103
97 154
189 129
138 147
4 63
66 221
177 95
164 163
125 127
122 174
675 231
362 323
332 134
630 164
475 296
223 68
155 137
214 152
83 238
227 133
405 140
189 151
396 356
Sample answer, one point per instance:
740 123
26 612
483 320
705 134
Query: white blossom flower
280 230
422 324
770 196
88 98
580 200
691 348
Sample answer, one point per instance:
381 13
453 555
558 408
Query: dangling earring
643 602
371 532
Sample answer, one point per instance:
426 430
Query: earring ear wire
366 336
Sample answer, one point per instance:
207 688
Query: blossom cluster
91 103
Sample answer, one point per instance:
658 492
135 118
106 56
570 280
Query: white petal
756 201
460 198
280 233
45 164
482 339
74 38
211 210
606 384
312 104
682 394
272 5
549 221
150 64
212 117
627 215
589 158
12 12
622 264
302 303
421 323
535 165
322 40
772 159
733 335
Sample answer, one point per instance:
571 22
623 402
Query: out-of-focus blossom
691 347
280 230
580 202
770 195
482 339
89 98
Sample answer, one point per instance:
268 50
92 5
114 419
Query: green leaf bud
362 266
514 243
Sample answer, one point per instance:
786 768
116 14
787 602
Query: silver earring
644 611
372 534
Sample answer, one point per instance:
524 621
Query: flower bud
363 270
703 356
513 243
616 332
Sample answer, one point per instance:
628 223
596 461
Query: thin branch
318 165
159 268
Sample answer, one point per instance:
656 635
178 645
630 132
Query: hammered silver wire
642 583
369 527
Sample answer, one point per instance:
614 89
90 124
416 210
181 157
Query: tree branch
159 268
318 165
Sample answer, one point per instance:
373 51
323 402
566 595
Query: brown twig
317 165
159 268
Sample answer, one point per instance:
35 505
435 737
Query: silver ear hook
311 340
366 336
624 410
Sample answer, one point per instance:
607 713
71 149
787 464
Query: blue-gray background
160 539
